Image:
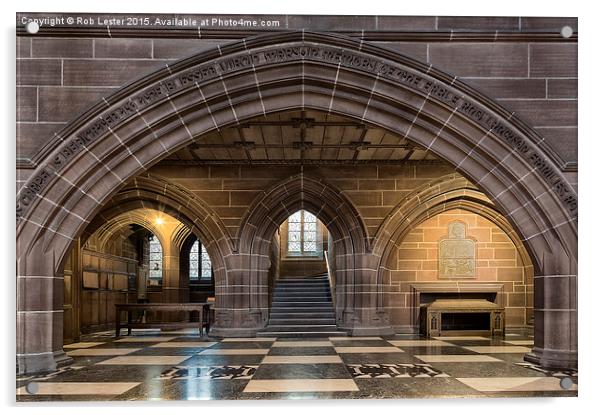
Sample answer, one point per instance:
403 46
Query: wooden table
202 308
432 316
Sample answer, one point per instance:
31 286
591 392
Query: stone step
309 314
316 278
305 293
302 334
292 307
301 327
301 295
302 287
301 322
280 297
300 299
304 305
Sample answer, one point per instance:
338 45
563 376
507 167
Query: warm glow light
159 221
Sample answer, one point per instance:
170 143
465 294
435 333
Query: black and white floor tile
179 365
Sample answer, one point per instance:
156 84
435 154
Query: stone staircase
302 307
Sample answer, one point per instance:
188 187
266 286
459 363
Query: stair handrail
331 283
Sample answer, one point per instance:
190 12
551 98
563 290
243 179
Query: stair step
301 301
297 316
302 334
302 287
305 283
285 279
313 283
302 328
301 322
301 292
302 307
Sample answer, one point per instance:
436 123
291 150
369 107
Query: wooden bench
438 318
202 308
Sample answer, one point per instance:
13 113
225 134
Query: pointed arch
150 191
445 193
327 203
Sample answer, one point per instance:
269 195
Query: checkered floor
152 365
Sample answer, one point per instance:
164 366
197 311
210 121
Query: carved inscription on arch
247 60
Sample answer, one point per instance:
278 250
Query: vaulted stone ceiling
301 136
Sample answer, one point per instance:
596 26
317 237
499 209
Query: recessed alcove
472 322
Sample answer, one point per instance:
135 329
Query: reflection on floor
150 365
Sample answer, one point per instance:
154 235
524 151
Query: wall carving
456 253
301 51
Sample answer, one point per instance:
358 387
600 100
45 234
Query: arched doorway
170 108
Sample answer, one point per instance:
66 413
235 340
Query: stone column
39 314
241 296
555 312
364 313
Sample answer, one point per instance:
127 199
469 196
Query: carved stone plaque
456 253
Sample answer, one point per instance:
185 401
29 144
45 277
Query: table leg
117 322
208 310
201 319
129 322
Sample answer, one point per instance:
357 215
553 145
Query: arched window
155 265
200 263
302 234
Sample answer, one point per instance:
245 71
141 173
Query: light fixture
159 220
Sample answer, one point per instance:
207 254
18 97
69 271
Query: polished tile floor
150 365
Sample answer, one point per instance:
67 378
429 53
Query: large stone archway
125 134
355 276
448 193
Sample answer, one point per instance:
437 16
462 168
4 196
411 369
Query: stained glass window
200 263
155 259
302 233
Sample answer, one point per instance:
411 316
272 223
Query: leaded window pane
195 247
155 264
206 270
155 274
309 226
309 236
308 217
155 256
194 261
302 232
309 246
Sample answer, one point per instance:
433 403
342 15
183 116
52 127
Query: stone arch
441 195
301 191
148 191
127 132
350 238
180 235
105 232
445 193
